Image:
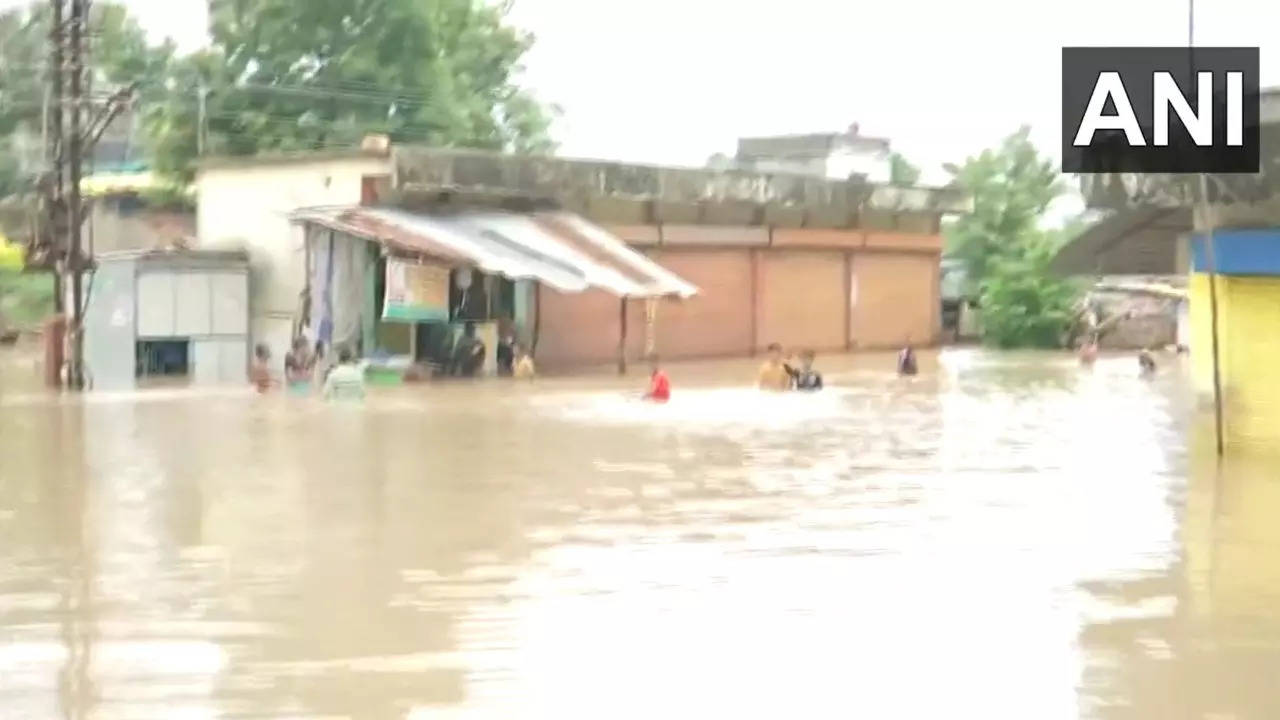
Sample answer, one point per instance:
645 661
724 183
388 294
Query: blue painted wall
1240 252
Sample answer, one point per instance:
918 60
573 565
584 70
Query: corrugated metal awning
559 249
1137 241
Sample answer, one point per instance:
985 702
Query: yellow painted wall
1249 352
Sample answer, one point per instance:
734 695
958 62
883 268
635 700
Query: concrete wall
124 224
1249 345
109 327
247 206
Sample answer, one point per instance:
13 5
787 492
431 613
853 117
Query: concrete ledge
904 241
673 191
714 235
643 235
818 238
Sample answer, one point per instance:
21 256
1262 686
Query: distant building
837 156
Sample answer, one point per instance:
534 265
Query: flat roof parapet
579 183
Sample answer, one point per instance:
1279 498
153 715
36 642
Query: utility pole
75 210
54 197
1204 221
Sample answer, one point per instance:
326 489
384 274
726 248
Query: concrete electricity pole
54 200
75 211
70 134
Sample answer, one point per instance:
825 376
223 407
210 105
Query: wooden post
755 300
650 326
622 336
537 318
848 300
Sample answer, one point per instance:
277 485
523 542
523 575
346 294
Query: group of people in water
343 379
780 373
304 367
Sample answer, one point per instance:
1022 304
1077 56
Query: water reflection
1005 536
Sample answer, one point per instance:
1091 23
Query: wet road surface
1005 536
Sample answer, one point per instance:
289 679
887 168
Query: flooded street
1005 536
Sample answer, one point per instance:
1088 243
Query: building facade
802 261
244 204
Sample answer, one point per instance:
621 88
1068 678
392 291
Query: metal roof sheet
559 249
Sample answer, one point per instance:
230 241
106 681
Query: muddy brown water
1005 536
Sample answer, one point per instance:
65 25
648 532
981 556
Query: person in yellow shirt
774 375
523 369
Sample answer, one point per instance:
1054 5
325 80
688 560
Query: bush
25 298
1024 305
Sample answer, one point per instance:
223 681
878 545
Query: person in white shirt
346 379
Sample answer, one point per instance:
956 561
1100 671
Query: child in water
659 385
260 370
806 378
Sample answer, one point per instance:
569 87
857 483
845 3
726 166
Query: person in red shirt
659 385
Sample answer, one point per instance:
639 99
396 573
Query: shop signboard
416 292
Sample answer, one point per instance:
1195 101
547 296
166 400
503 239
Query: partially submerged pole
1211 268
1206 220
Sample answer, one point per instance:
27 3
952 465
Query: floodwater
1005 536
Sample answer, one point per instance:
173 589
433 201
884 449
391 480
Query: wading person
806 378
774 376
1089 352
659 384
505 354
346 379
468 357
523 369
299 365
1146 363
260 370
907 365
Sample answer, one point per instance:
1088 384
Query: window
163 358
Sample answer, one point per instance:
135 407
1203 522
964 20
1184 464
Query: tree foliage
1005 252
120 55
284 75
901 171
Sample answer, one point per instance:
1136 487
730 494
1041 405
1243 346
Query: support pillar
622 336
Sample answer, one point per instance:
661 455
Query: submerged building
1155 226
385 248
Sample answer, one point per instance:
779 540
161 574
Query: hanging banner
415 293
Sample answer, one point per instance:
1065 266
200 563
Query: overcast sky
673 81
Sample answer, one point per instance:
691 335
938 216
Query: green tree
1005 252
901 171
120 56
285 75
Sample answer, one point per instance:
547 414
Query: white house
244 204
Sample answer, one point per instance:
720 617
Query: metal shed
167 316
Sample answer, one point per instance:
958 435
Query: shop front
399 288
